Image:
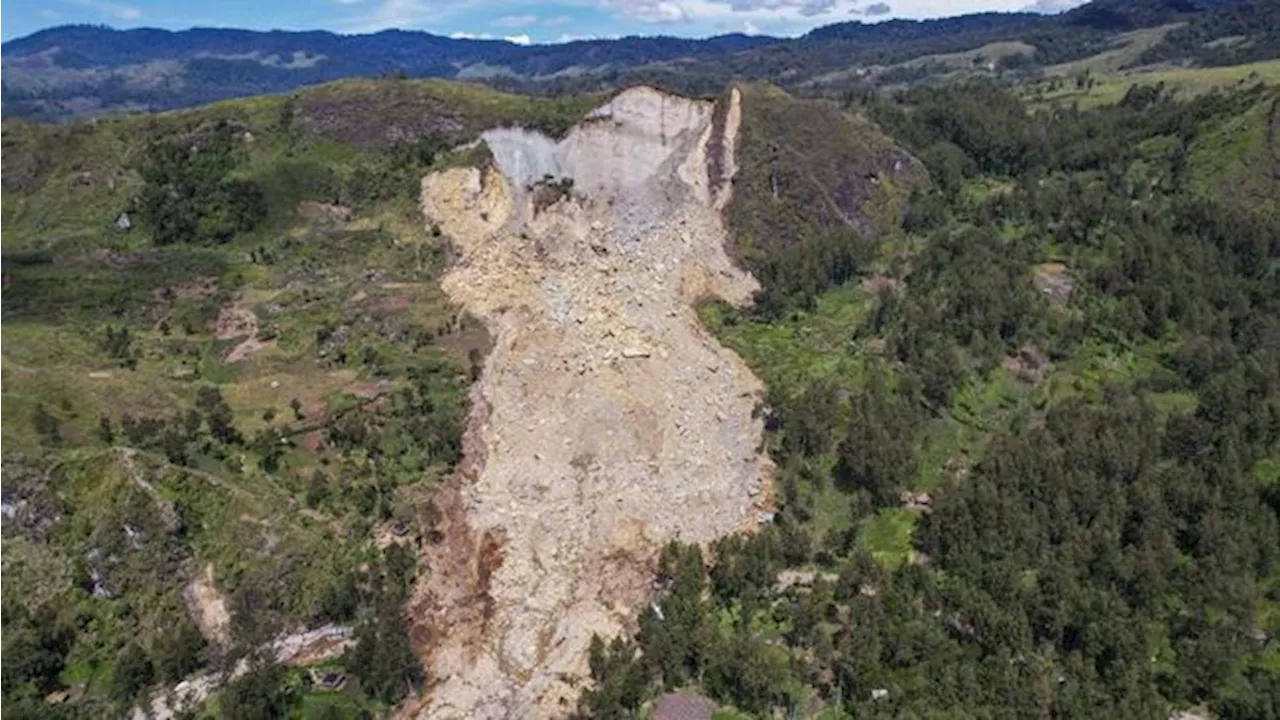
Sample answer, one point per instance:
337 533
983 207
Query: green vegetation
1025 439
244 383
815 183
1020 345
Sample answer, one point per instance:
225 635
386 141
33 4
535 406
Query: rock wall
606 422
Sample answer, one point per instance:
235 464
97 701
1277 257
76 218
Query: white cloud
522 39
348 2
392 14
750 28
1052 7
115 11
800 15
697 17
514 21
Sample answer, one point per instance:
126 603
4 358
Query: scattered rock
536 559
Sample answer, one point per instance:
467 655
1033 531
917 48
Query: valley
937 378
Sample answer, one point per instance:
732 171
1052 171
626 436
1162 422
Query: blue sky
518 20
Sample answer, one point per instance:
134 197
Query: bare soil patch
207 608
1052 280
607 421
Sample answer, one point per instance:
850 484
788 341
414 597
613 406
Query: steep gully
606 421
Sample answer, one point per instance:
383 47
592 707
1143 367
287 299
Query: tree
260 694
218 415
133 673
46 426
878 454
105 433
177 651
620 681
383 661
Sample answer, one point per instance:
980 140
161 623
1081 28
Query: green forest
1022 371
1073 348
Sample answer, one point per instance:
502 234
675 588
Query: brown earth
606 422
234 322
207 608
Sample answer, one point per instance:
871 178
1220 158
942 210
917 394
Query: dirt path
301 648
233 322
607 422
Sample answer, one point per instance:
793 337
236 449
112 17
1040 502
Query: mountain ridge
86 70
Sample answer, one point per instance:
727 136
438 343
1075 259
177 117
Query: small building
331 679
683 706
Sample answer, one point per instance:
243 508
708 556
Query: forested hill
1020 345
76 71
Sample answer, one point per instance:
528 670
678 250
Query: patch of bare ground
1052 280
877 284
1029 364
233 322
207 608
326 211
606 421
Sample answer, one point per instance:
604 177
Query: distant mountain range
77 71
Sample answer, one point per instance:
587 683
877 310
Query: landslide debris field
606 421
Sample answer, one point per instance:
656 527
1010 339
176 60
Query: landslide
606 421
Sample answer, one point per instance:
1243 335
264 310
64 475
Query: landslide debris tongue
606 421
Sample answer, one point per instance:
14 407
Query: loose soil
207 608
234 322
606 422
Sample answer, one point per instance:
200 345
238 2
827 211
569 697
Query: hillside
231 383
78 71
417 398
257 415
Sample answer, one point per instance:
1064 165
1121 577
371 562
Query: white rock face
607 422
619 148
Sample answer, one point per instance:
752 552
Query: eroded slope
607 422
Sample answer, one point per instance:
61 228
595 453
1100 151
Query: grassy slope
1242 159
69 273
1128 47
1110 88
827 346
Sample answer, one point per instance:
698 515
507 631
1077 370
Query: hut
683 706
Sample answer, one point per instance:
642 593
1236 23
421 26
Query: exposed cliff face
607 422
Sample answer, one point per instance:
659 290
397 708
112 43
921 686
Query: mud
606 421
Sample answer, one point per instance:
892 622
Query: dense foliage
189 195
149 472
1107 547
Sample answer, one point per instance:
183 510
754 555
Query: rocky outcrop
606 421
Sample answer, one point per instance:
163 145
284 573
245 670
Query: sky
520 21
